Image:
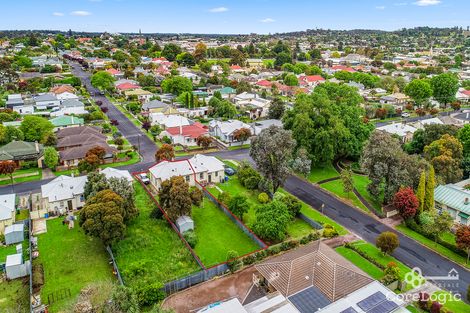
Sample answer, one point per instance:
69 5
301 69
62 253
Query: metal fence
309 221
195 278
239 223
116 269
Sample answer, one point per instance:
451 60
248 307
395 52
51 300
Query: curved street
358 222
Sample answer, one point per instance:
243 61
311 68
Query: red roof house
264 83
186 135
127 86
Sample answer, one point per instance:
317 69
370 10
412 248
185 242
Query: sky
230 17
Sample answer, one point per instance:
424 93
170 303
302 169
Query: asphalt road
128 129
358 222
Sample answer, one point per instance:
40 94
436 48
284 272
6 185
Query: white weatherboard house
226 129
404 131
111 172
204 169
63 194
7 211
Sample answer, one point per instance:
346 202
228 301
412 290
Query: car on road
405 114
144 178
229 171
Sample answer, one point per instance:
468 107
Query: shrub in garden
435 307
239 205
224 197
248 176
252 182
233 262
119 141
149 293
406 202
293 204
263 198
191 238
391 273
271 221
196 196
329 231
387 242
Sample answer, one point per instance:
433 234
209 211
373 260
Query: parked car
405 114
229 171
144 178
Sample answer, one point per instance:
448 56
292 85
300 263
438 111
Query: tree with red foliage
462 239
146 125
406 202
104 109
423 300
114 122
242 134
381 113
166 152
99 102
100 152
8 167
204 141
435 307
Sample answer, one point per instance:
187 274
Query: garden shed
14 266
14 234
184 223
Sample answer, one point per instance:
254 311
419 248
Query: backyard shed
184 223
14 266
14 233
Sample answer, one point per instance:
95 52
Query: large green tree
271 221
35 128
329 123
446 156
51 157
419 90
170 51
175 197
177 85
102 80
272 152
444 88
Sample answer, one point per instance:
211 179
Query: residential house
66 121
403 131
115 73
71 156
68 107
122 88
186 135
429 121
157 106
166 121
455 199
46 101
111 172
255 108
194 112
63 194
201 168
7 211
22 151
311 80
227 92
396 99
224 130
141 95
258 126
64 96
463 95
236 69
64 88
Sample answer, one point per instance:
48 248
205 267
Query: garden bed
71 260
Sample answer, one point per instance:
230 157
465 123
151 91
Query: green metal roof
453 196
20 150
66 120
464 215
227 90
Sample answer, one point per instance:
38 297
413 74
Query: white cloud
218 10
425 3
380 7
58 14
267 20
80 13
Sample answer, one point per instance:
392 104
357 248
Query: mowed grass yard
296 229
336 187
321 173
151 250
217 234
14 296
71 260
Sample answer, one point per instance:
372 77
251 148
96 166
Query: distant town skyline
231 17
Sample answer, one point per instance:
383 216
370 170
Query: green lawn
321 173
217 235
31 175
71 260
322 219
6 250
355 258
336 187
134 159
433 245
14 296
360 183
298 228
375 253
245 146
454 306
152 250
22 215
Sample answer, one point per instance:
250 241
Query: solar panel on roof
309 300
349 310
371 301
384 307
